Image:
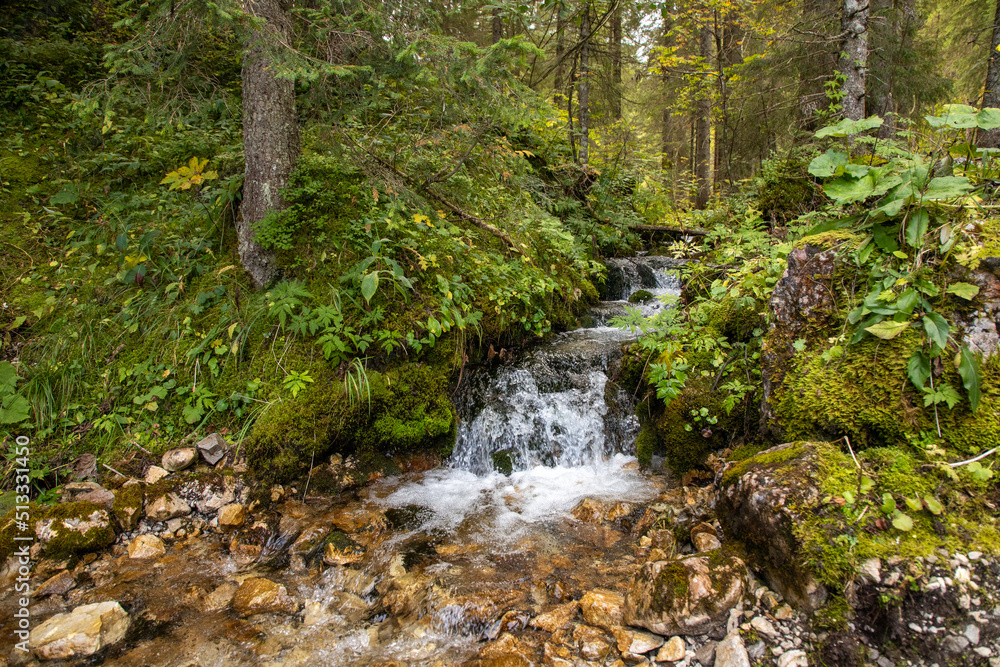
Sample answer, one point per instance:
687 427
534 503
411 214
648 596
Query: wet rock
555 655
760 501
731 652
506 645
257 595
689 596
100 497
146 546
635 642
342 550
673 651
232 516
663 540
348 605
555 618
127 506
220 597
354 581
603 608
166 507
179 459
155 474
795 658
59 584
311 540
591 642
212 448
74 528
706 542
81 632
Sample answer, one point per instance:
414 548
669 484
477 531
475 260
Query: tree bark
854 57
583 105
703 130
616 61
497 26
557 84
270 135
729 35
991 91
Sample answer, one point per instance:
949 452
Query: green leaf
799 345
933 506
918 368
888 504
847 127
916 227
883 240
67 195
968 368
8 378
369 285
14 409
937 329
902 522
192 413
947 187
963 290
867 484
887 329
830 163
914 504
988 119
846 190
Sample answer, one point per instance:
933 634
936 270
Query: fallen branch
973 459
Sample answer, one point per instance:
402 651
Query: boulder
603 608
556 618
146 546
74 528
760 501
731 652
212 448
689 596
59 584
179 459
166 507
257 595
232 516
81 632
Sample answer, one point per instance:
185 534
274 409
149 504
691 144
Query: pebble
793 659
764 627
972 634
673 651
155 474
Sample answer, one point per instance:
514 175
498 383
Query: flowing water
452 555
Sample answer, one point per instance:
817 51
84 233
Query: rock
59 584
603 608
703 527
730 652
589 510
100 497
706 542
127 506
706 654
795 658
342 550
784 613
673 651
972 634
146 546
212 448
81 632
505 645
167 507
953 645
354 581
764 627
179 459
257 595
871 570
155 474
684 597
70 528
592 643
220 597
636 643
663 540
232 516
555 618
760 501
348 605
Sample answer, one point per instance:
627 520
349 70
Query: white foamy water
498 509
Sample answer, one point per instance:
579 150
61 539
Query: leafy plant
14 408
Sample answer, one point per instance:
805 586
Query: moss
737 318
411 410
840 239
65 541
670 584
744 452
645 445
128 504
503 462
640 297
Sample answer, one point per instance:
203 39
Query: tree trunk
270 135
665 124
703 130
729 34
616 61
854 57
583 106
991 92
497 26
818 18
557 85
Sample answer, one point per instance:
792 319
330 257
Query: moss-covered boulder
761 502
62 530
689 596
640 296
127 508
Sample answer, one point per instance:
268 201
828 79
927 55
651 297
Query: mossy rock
503 462
63 530
127 508
737 318
641 296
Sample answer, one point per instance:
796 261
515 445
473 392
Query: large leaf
883 240
8 378
830 163
887 329
902 522
369 285
947 187
918 368
916 227
937 329
847 190
968 368
847 127
958 116
963 290
988 119
14 409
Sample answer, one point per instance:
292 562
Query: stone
731 652
505 646
689 596
146 546
221 597
760 501
166 507
75 527
764 627
212 448
795 658
81 632
953 645
232 516
59 584
178 459
635 642
592 642
100 497
706 542
663 540
706 654
703 527
555 618
258 595
972 634
354 581
673 651
127 506
603 608
871 570
342 550
155 474
784 613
